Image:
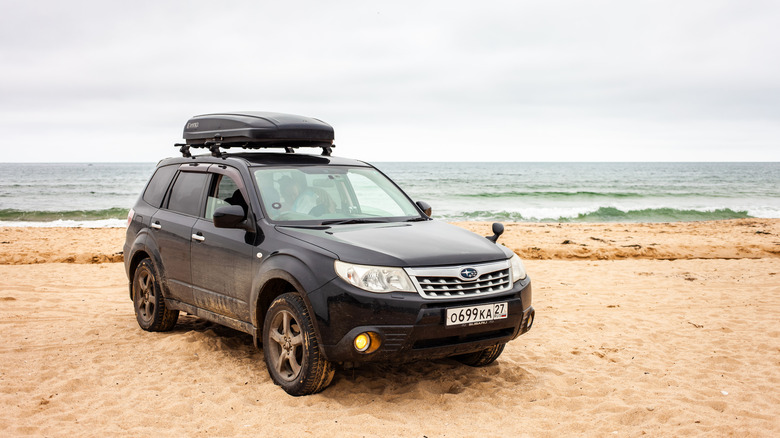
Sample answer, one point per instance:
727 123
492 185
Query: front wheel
290 348
482 357
148 301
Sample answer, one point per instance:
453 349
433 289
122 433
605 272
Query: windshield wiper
353 221
417 219
307 226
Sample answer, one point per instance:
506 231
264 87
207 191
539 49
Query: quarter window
158 185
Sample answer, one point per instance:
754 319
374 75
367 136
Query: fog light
362 342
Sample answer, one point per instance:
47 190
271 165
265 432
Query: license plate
477 314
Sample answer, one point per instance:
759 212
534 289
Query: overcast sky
399 81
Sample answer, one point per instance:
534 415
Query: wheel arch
271 284
142 248
135 260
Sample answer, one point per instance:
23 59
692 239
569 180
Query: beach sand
656 329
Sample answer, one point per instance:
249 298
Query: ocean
100 194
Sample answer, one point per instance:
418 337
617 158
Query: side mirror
498 229
424 207
231 216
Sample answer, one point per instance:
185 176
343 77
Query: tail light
130 215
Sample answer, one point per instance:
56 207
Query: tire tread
321 370
482 357
164 319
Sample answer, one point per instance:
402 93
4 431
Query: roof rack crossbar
215 146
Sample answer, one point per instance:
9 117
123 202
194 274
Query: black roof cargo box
252 129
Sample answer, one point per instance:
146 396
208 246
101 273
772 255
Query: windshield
331 194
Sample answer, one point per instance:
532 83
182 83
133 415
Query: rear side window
187 193
158 185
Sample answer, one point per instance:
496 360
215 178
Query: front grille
454 287
443 283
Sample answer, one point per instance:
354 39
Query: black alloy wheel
150 310
290 348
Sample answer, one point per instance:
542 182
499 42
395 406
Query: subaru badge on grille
468 273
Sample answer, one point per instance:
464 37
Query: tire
148 301
290 348
482 357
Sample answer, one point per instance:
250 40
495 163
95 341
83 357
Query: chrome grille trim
442 283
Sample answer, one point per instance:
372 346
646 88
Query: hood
402 244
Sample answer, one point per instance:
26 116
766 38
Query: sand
731 239
680 340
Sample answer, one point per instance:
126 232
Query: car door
222 258
172 229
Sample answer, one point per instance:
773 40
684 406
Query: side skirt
211 316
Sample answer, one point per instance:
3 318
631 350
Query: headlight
380 279
518 270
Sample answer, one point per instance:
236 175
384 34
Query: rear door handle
156 225
199 237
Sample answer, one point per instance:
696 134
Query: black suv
323 260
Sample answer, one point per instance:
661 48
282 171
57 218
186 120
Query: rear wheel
482 357
290 348
148 301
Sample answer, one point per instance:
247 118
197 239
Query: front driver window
224 192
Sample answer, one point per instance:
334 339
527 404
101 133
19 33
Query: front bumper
410 327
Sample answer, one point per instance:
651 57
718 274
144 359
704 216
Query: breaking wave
13 215
608 214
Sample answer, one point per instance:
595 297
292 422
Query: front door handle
156 225
199 237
